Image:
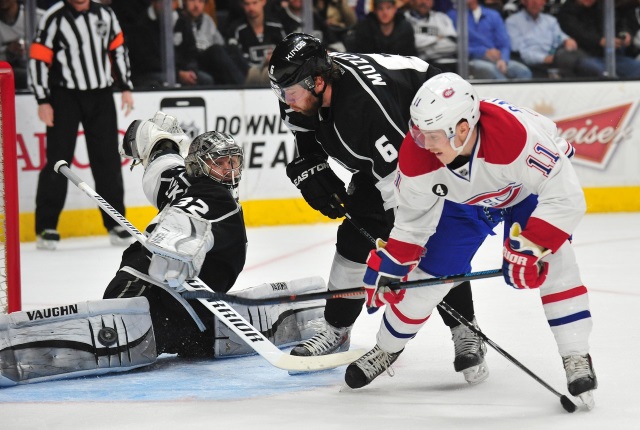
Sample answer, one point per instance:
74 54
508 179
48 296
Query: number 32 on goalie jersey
195 207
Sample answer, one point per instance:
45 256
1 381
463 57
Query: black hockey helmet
297 59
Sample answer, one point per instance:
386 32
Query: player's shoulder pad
416 161
503 136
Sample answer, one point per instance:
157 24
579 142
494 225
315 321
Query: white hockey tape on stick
225 313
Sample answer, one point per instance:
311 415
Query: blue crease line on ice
171 378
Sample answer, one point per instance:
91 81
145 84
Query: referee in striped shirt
78 50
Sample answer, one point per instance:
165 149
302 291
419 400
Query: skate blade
476 374
588 400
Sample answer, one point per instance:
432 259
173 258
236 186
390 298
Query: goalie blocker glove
313 176
522 267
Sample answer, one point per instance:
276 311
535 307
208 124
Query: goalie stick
225 313
567 404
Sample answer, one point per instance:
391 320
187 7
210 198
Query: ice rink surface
424 393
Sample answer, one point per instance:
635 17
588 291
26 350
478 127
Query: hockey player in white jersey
194 185
492 154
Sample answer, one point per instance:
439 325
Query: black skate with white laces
581 378
368 367
327 341
470 350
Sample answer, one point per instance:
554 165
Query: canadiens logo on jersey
496 199
448 93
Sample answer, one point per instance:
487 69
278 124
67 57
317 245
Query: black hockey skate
368 367
470 350
581 378
48 239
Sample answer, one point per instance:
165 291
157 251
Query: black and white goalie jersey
368 118
165 182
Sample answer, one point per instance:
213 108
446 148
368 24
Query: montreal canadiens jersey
517 153
165 182
368 117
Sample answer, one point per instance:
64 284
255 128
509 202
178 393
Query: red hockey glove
522 267
383 269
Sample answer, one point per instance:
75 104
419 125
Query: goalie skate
581 378
470 351
368 367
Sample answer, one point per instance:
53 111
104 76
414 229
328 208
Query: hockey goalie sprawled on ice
199 232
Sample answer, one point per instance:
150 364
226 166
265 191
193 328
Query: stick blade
567 404
297 363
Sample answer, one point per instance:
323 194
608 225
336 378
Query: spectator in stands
129 12
144 41
583 21
338 15
435 34
12 39
634 27
383 31
544 47
443 6
629 12
290 16
213 56
256 34
489 45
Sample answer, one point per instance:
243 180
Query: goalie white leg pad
283 324
88 338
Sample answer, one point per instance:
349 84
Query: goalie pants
175 331
460 233
96 110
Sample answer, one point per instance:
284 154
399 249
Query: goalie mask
297 60
440 104
217 156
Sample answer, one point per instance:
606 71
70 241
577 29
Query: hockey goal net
9 226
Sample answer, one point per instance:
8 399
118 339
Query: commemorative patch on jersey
101 28
440 190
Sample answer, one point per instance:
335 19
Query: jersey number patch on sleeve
551 159
386 149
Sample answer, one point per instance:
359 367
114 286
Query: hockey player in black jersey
355 109
195 187
199 231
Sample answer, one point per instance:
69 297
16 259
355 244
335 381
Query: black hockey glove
318 184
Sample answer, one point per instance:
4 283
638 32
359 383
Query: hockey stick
225 313
355 293
567 404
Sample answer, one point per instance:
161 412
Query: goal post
10 300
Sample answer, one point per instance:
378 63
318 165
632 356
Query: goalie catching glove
522 267
382 270
179 243
144 138
318 184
